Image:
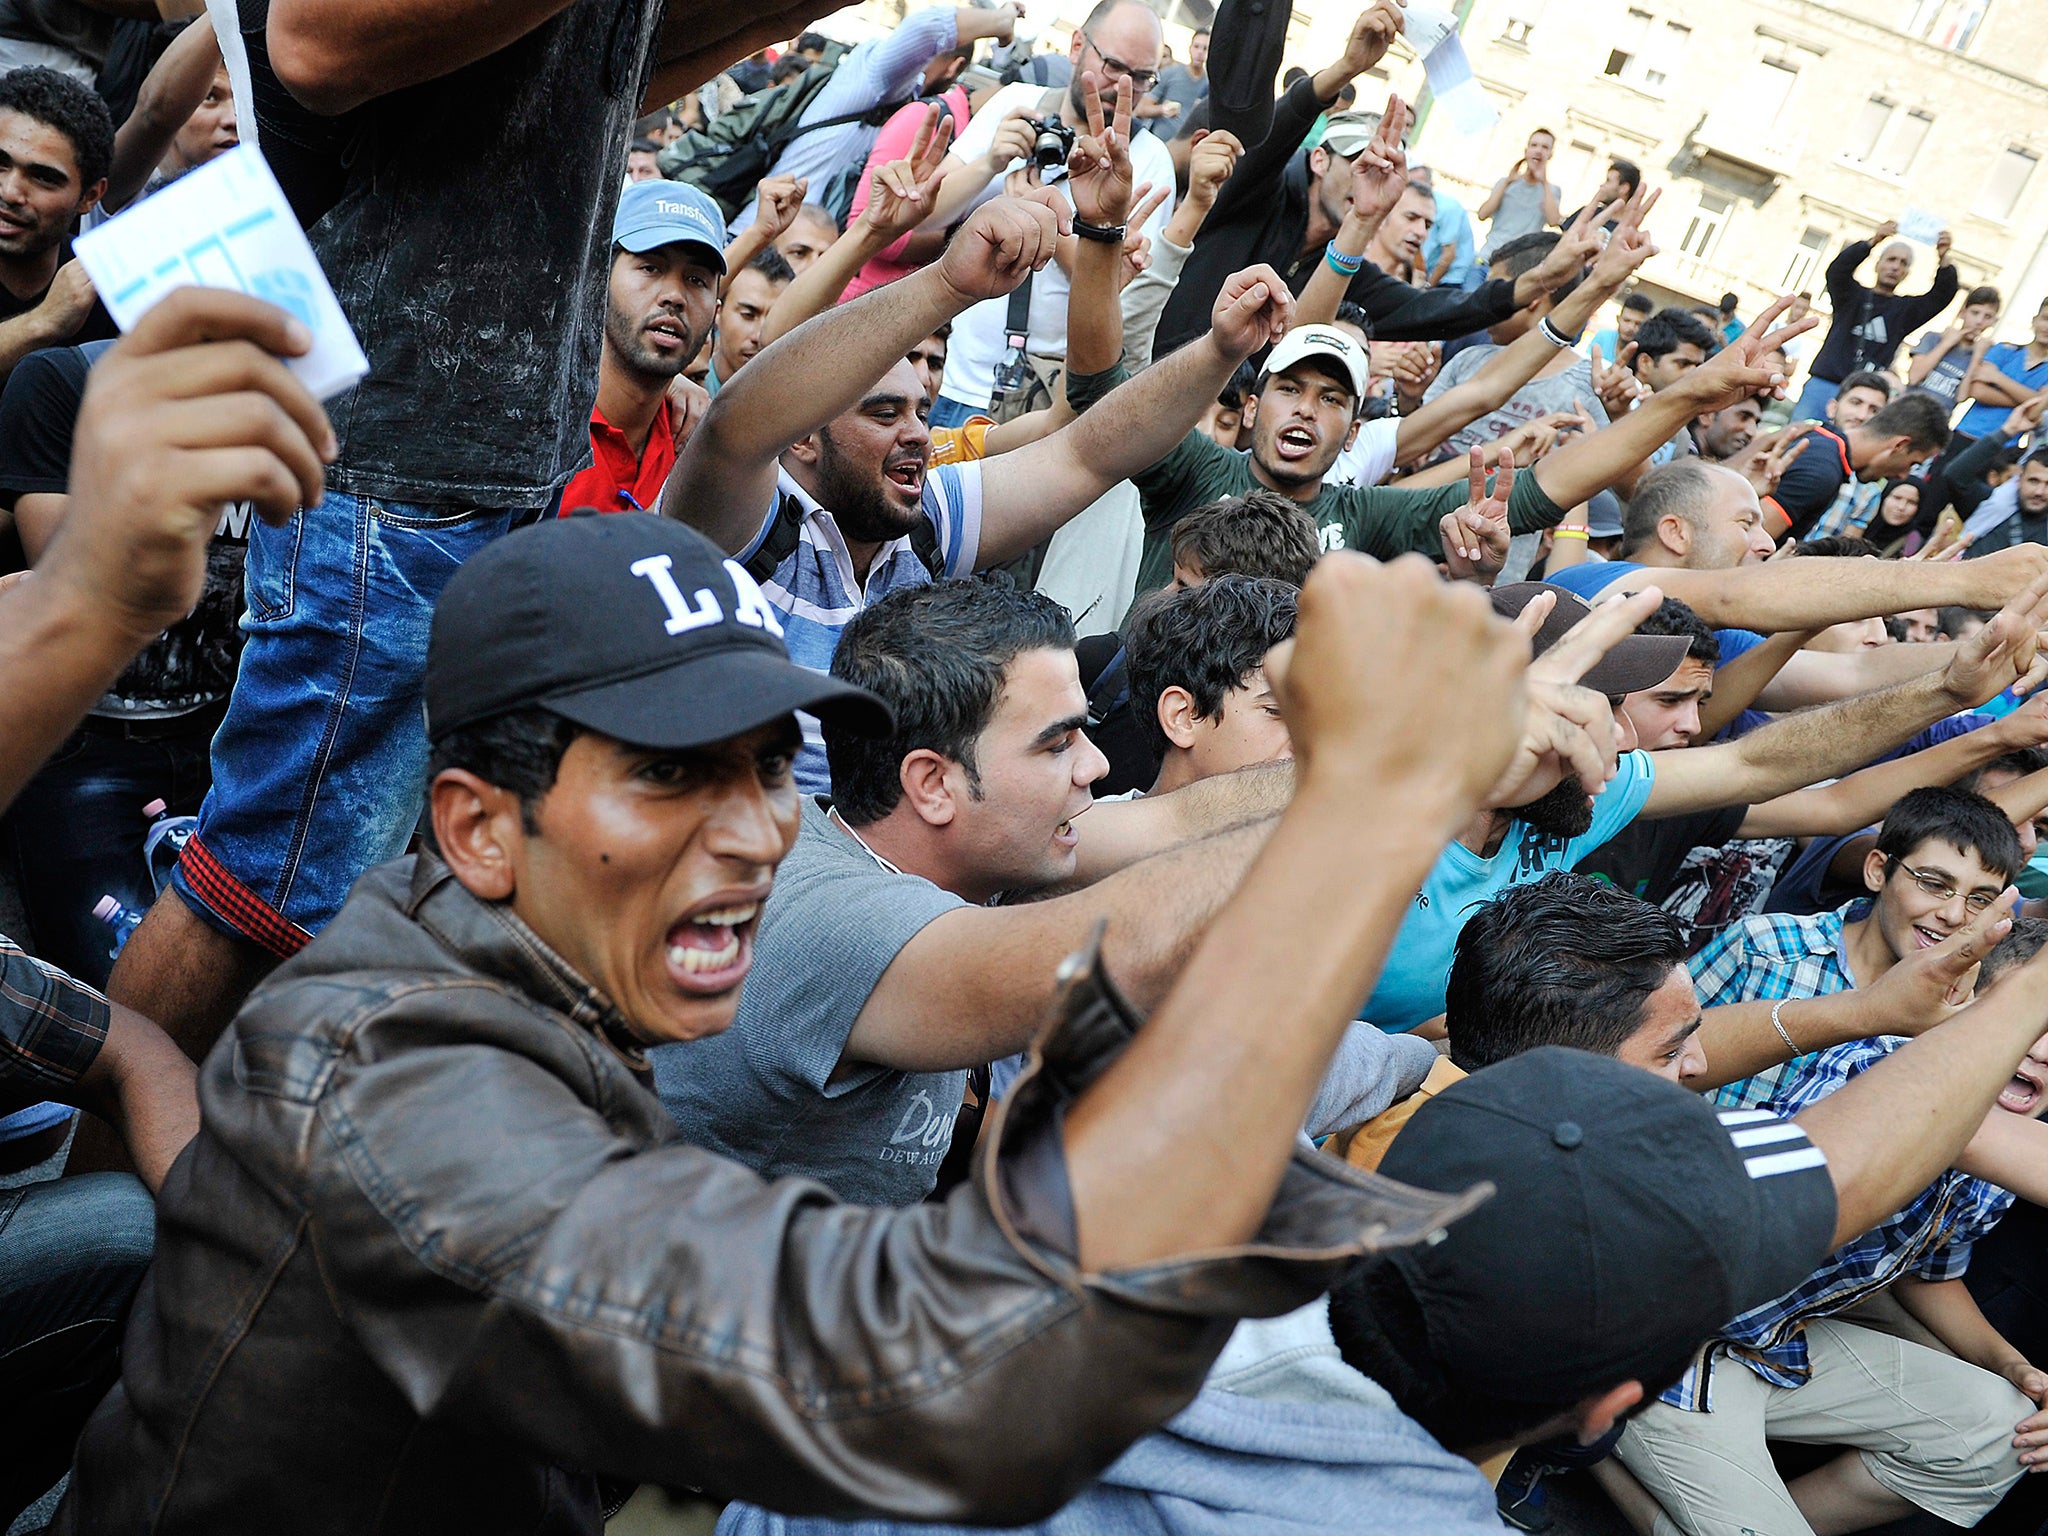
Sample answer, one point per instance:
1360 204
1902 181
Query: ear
1636 366
926 778
1177 716
1248 417
91 197
1352 436
1318 160
1874 871
480 832
806 450
1675 534
1597 1415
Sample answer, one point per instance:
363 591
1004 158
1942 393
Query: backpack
728 159
786 532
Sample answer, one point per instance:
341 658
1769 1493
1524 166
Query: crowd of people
995 786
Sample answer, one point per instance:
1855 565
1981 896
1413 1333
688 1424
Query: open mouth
709 952
1927 938
907 475
2024 1094
1295 443
667 333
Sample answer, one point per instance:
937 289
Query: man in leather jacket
438 1259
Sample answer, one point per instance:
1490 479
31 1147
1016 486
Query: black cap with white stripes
1633 1221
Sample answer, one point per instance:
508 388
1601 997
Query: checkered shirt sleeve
51 1029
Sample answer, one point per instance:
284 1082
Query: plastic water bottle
123 920
166 839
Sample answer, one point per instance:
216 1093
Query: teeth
728 917
692 961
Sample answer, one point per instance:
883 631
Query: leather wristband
1107 234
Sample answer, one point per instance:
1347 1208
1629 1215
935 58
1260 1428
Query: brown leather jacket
438 1261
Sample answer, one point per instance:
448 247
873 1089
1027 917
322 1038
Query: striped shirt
51 1028
815 590
1930 1239
1768 957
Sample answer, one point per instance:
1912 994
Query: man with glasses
1120 40
1942 856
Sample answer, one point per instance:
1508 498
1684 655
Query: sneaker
1519 1495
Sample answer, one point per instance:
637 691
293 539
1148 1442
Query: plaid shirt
51 1028
1768 957
1930 1239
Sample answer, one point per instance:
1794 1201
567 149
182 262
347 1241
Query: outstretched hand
1099 163
902 192
1737 370
2005 653
1380 173
1475 536
1630 245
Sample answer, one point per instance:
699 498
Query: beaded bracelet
1342 265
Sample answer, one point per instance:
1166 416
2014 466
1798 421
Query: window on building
1868 127
1647 52
1767 89
1573 165
1805 261
1521 20
1708 220
1628 42
1902 140
2008 179
1947 23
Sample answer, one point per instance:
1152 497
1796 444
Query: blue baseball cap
658 213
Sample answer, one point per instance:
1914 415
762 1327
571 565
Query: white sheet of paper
1433 33
1922 224
225 225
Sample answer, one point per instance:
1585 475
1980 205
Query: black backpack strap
785 532
1112 688
924 543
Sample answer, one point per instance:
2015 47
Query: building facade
1779 129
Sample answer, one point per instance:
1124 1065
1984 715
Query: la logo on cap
685 615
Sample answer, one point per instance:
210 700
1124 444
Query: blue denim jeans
78 829
948 412
72 1252
319 767
1813 400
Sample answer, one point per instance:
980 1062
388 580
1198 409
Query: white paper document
225 225
1433 33
1922 224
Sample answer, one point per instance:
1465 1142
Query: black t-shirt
1644 857
192 664
98 326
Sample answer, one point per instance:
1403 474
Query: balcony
1734 137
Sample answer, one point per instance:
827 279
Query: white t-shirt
1370 458
977 341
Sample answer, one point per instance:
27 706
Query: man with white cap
667 260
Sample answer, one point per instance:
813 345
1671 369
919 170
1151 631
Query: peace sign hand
1099 164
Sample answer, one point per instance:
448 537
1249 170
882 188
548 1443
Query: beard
856 499
622 333
1563 812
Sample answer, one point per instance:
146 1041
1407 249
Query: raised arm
1740 683
1379 177
1857 800
726 474
174 89
1801 749
336 54
1028 494
1595 461
1522 359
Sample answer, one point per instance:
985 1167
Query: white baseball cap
1306 341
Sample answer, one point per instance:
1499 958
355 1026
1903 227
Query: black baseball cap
629 624
1636 662
1634 1221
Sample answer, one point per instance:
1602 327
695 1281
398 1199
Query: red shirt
618 482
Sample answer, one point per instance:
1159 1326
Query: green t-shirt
1383 521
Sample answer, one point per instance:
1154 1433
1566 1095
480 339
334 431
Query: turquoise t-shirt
1411 988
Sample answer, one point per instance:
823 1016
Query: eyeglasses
1141 79
1937 886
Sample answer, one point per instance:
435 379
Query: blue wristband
1342 265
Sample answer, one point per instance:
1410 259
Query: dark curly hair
74 110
